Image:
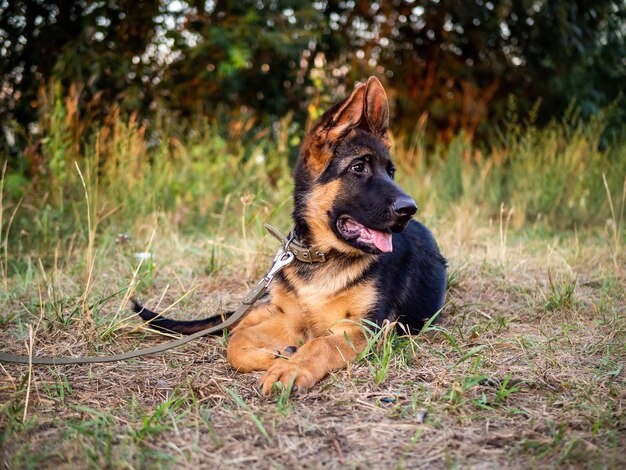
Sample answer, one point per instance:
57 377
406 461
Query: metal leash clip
282 259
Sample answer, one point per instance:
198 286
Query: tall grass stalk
616 221
5 268
30 344
89 262
132 284
504 232
6 241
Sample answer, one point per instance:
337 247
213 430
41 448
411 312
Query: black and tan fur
344 193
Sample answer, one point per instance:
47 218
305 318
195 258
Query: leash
290 250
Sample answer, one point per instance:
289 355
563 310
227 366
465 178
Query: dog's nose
404 207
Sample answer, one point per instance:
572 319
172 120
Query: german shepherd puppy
380 264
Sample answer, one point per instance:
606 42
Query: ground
523 369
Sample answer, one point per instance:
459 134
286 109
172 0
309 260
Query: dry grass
525 368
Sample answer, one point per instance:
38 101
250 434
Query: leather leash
291 249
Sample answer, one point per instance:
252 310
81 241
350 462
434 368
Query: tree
460 60
96 44
242 53
456 61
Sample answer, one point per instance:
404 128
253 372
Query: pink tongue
381 240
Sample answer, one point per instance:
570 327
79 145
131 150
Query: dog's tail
156 321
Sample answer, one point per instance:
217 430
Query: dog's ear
347 117
317 149
376 108
367 107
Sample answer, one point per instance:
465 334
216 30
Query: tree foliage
455 61
93 44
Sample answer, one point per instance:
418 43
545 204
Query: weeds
60 389
504 391
154 423
283 397
561 295
255 419
95 433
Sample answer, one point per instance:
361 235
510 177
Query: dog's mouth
353 231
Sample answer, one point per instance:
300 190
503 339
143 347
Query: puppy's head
345 197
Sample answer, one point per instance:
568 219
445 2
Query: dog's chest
328 294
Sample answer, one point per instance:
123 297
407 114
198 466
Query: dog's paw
289 373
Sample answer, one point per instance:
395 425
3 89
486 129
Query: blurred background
514 106
456 65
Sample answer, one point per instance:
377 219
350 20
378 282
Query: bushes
551 175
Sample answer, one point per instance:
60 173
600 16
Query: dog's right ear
347 117
334 124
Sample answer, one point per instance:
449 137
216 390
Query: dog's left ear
376 108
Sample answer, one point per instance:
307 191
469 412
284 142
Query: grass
524 367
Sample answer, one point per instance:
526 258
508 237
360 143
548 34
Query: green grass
524 365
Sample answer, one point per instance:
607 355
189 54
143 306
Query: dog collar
300 251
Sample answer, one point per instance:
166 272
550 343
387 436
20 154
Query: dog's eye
358 167
391 172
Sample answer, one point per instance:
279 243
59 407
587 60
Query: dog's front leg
259 339
316 358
